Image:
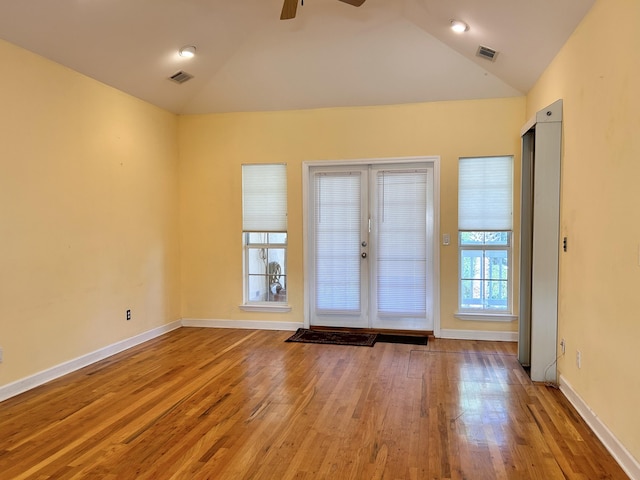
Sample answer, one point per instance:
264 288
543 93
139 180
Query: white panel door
370 246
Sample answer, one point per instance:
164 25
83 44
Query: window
265 263
485 224
484 271
264 225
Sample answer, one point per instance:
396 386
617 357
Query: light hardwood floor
237 404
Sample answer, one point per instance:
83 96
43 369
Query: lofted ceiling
332 54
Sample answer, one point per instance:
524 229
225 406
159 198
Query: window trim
485 317
266 307
264 210
495 214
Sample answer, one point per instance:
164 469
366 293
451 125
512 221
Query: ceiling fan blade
289 9
355 3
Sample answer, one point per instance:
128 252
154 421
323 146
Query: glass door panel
401 259
339 272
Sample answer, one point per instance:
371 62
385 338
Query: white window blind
264 198
402 239
485 192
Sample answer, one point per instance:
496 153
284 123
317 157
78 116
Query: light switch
446 240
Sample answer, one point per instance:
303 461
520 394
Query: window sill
279 308
486 317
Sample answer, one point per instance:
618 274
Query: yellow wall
108 203
90 206
597 74
88 215
213 147
93 182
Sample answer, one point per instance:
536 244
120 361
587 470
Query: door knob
364 255
364 243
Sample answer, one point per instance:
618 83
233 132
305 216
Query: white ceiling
332 54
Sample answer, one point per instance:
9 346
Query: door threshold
384 331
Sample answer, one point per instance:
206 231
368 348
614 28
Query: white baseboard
27 383
478 335
244 324
627 462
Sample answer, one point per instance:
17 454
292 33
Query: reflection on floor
231 404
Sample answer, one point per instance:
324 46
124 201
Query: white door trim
433 160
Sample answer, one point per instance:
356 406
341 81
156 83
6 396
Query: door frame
433 161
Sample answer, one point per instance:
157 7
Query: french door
371 246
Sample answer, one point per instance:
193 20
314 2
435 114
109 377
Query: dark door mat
406 339
304 335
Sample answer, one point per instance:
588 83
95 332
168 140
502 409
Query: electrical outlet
128 314
579 358
563 346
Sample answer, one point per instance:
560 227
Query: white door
371 246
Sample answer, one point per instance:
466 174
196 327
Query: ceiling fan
289 7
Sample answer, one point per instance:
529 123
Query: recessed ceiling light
459 26
188 51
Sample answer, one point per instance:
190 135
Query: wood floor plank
216 404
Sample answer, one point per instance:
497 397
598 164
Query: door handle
364 255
